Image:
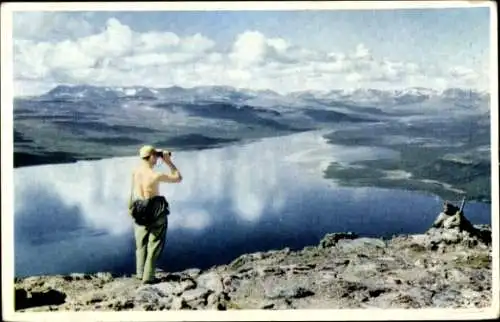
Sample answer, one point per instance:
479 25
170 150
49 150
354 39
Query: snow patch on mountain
130 91
406 97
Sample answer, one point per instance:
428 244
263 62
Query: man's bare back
146 180
146 183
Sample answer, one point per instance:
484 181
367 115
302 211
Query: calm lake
263 195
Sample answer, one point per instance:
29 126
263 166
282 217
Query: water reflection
264 195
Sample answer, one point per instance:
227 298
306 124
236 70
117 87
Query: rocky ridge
448 266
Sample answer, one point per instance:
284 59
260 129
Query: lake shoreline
377 173
449 265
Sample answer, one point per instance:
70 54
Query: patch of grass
238 262
230 305
476 261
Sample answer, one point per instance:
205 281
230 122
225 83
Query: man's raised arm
174 176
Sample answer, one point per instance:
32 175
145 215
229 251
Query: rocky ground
448 266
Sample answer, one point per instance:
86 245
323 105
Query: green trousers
149 244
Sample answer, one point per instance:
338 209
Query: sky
279 50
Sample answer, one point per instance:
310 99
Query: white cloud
249 48
354 77
29 60
279 44
68 55
114 41
197 44
239 75
362 52
464 74
116 55
153 41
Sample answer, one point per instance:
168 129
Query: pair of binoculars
159 153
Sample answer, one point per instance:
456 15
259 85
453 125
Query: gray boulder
332 239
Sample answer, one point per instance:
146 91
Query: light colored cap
146 151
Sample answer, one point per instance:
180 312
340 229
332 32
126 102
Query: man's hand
174 175
166 156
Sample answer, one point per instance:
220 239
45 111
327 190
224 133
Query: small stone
244 270
361 244
165 302
211 281
178 303
148 294
227 280
331 240
77 276
405 301
215 302
174 277
342 262
128 304
197 293
308 249
106 277
458 276
249 273
167 288
192 272
240 261
269 270
148 307
186 285
293 291
94 298
299 269
445 298
469 294
376 292
230 283
267 306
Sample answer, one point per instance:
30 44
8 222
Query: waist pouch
146 211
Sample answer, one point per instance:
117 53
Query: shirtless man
150 237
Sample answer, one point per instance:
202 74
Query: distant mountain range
266 97
87 122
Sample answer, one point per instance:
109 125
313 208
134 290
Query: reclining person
150 210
